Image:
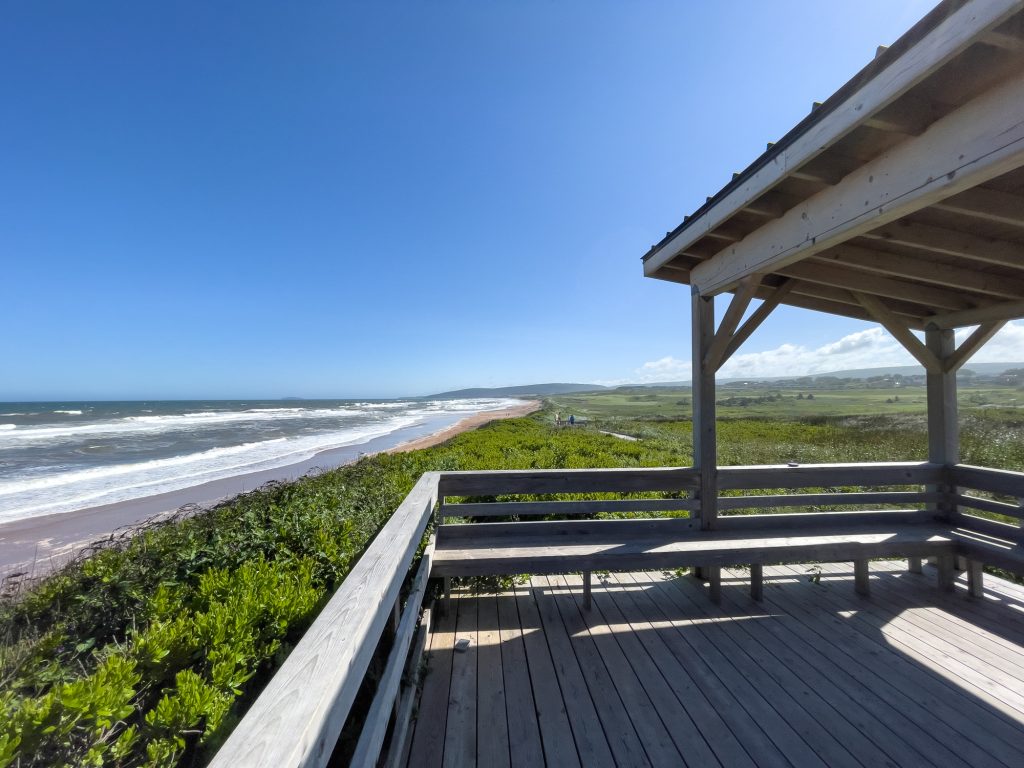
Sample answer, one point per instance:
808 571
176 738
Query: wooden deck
655 674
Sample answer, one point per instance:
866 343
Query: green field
147 655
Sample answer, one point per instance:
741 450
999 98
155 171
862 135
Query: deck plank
460 731
427 750
492 743
797 704
898 737
525 748
604 734
655 674
958 721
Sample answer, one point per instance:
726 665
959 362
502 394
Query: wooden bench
549 547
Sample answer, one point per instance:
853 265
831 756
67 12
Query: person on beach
572 419
558 420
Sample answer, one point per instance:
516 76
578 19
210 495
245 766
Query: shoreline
35 546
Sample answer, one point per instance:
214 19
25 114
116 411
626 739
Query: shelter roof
901 194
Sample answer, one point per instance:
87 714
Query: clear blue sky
351 199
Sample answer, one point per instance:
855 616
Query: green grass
147 655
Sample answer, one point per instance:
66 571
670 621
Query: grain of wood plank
525 748
552 716
603 731
900 738
427 749
590 631
707 687
969 729
805 712
460 731
747 694
492 742
709 723
695 747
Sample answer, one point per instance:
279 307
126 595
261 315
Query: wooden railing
298 718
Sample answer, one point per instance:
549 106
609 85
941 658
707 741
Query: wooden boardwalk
655 674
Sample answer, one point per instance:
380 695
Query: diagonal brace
740 301
900 331
972 344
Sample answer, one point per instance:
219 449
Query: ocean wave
67 491
8 426
69 413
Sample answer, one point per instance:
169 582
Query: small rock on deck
655 674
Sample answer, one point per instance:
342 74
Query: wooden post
861 583
975 579
757 581
703 392
946 573
914 564
714 574
705 454
943 428
587 590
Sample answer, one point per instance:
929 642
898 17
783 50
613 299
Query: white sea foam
8 426
70 413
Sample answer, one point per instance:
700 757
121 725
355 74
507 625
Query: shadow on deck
655 674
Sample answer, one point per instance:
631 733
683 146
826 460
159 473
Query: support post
943 431
446 602
914 564
703 385
714 574
757 581
946 573
587 598
975 579
703 392
861 583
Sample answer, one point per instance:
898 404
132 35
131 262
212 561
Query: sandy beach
36 545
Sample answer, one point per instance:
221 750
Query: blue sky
357 199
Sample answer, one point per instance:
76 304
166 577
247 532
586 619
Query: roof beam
950 37
951 242
878 286
881 313
923 269
987 204
981 140
1003 40
1004 310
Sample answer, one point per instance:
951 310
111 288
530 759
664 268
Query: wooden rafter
1006 310
988 204
950 242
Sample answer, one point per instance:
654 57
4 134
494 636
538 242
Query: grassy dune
147 655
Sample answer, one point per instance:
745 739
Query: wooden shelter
900 199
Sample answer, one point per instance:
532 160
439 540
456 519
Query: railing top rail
567 481
814 475
299 715
1003 481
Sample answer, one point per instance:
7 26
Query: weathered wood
943 422
988 204
428 737
940 45
757 317
972 344
829 475
714 577
779 522
525 748
946 574
512 481
460 737
975 579
588 507
398 745
757 581
375 725
825 499
705 436
1003 310
914 564
493 746
715 354
507 553
297 718
876 285
883 315
988 505
587 590
1001 481
969 146
861 579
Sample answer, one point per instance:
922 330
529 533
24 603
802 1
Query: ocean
61 457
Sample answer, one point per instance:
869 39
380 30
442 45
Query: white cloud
872 348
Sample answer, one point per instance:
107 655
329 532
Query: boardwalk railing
298 718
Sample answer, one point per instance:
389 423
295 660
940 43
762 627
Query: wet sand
36 545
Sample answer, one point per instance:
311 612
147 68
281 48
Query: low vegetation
147 654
